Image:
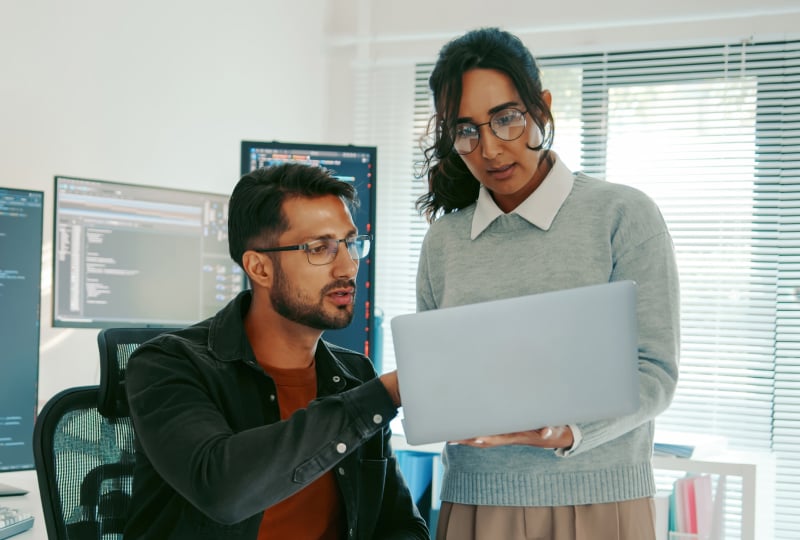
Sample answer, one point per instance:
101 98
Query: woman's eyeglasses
506 124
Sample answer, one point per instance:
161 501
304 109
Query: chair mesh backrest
116 346
84 462
93 462
84 447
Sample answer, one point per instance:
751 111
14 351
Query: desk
30 503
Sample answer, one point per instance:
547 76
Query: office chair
83 447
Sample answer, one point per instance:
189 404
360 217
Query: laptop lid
516 364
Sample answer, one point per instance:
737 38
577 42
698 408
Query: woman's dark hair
255 211
451 186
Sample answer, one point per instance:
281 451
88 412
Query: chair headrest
116 346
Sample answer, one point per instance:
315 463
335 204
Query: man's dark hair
255 212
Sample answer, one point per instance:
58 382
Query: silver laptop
516 364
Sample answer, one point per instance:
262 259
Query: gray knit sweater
600 232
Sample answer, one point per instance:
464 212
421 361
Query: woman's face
509 169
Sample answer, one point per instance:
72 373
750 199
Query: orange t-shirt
315 512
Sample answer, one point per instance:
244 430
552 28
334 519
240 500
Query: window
712 133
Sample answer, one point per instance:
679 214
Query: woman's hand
546 437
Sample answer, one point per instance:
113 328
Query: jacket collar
227 340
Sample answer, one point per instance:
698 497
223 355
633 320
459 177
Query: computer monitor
21 213
354 164
138 255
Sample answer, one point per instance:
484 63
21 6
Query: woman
508 218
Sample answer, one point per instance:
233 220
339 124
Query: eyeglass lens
324 251
506 124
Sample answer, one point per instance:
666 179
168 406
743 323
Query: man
248 425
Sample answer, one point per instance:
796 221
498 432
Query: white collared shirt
540 208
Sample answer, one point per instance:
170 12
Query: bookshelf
757 472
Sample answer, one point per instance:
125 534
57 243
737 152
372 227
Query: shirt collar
539 209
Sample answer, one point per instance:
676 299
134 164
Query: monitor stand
8 491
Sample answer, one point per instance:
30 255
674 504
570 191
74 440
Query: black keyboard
13 521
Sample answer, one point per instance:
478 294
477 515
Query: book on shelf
704 505
693 511
686 506
718 512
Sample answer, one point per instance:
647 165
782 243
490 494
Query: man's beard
302 311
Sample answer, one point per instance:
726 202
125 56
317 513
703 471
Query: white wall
386 35
408 28
163 91
149 92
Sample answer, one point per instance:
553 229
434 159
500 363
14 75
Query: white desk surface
30 503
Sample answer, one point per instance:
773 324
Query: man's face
319 297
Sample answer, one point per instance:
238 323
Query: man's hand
389 380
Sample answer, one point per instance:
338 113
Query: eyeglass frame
523 114
349 241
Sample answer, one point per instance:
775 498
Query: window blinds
712 133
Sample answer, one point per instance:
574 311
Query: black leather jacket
212 452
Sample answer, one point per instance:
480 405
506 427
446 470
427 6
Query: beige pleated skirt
628 520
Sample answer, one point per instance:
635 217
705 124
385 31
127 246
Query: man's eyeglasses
324 251
507 124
